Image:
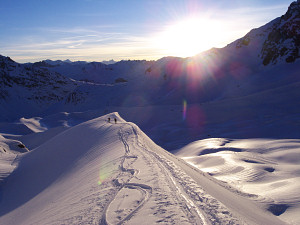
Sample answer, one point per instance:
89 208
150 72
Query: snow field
264 170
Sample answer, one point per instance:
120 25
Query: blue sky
96 30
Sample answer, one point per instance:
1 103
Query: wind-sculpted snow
264 170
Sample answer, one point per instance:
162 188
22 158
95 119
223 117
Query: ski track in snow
144 189
202 208
197 206
193 213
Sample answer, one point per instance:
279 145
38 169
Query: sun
189 37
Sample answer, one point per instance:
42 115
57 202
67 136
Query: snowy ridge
137 180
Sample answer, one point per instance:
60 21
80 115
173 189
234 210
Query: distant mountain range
49 62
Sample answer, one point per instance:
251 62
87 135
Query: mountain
283 41
275 43
96 72
27 90
109 62
59 62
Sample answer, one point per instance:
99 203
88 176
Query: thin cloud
98 45
75 30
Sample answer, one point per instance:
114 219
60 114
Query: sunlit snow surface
101 172
265 170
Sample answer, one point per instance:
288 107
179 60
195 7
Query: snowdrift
266 170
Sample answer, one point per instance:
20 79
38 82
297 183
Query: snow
265 170
8 145
33 124
6 165
63 171
101 172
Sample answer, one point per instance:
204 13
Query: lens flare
195 120
184 110
104 173
134 100
102 177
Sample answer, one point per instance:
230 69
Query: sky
97 30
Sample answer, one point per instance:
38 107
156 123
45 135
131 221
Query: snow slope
105 173
265 170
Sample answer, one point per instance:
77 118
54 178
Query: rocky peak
283 42
6 62
32 83
293 9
